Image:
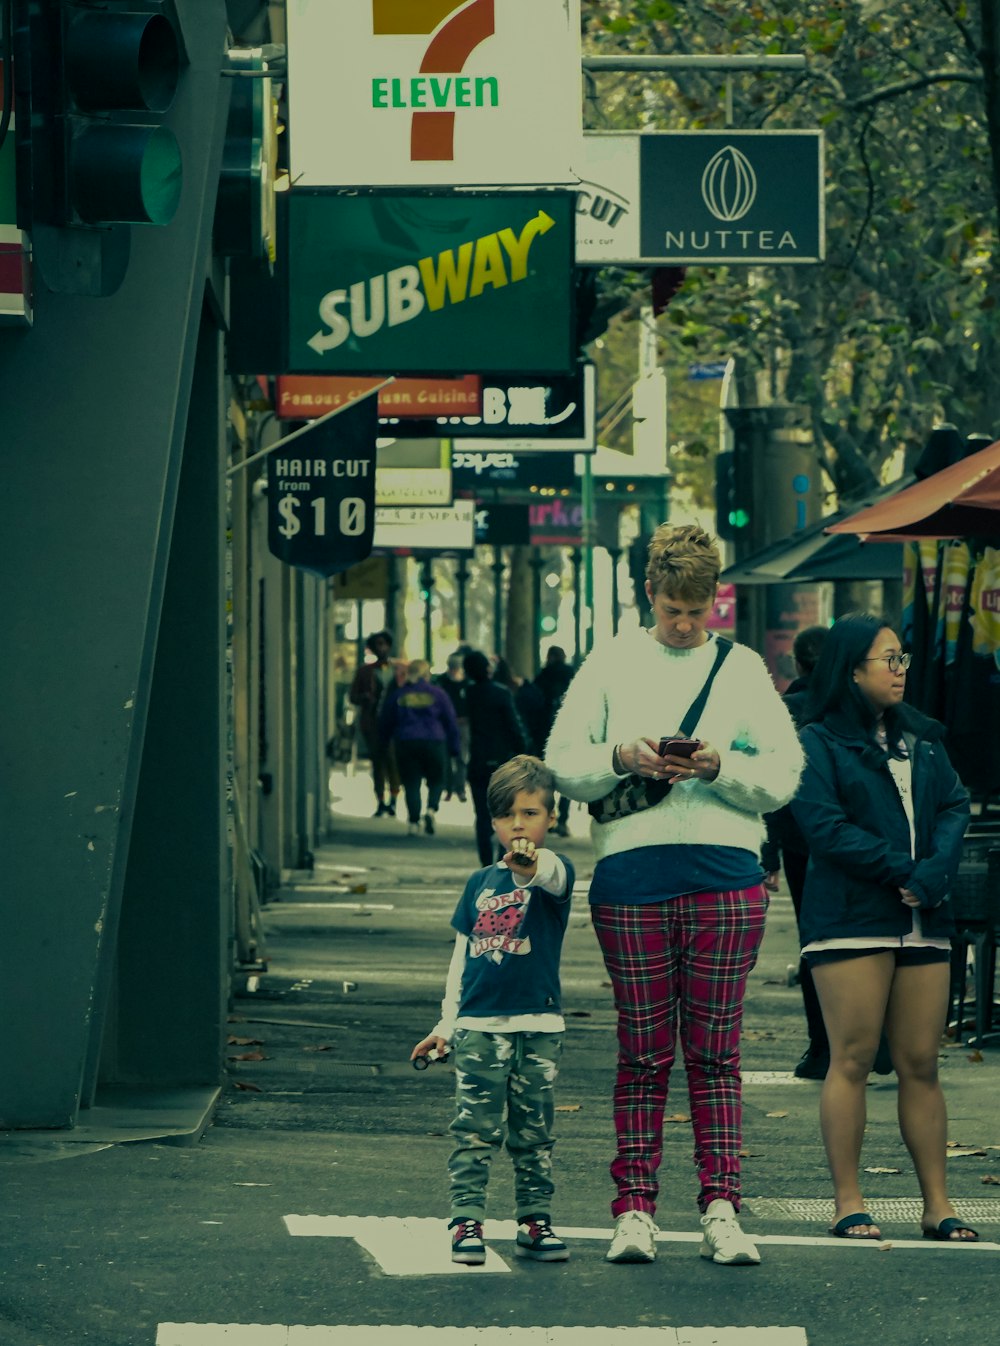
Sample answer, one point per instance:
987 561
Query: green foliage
899 327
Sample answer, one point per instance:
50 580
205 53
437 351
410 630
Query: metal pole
616 608
427 586
588 546
497 599
461 584
536 562
576 559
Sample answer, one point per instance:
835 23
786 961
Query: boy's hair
520 773
684 562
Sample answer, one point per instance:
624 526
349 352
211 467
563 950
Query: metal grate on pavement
815 1210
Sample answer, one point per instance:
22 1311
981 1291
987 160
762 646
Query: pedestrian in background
677 898
885 814
552 680
495 735
502 1014
452 683
786 848
371 683
419 719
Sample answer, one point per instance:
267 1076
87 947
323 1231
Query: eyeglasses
895 661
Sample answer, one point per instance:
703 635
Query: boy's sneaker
536 1240
467 1242
634 1238
429 822
723 1240
413 830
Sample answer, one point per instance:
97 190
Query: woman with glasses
884 814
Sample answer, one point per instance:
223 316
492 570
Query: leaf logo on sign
729 184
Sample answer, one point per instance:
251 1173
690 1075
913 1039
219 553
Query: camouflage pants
498 1077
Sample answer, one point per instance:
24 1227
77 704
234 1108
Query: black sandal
943 1232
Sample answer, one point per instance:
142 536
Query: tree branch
918 82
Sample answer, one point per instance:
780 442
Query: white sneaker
633 1239
413 830
723 1240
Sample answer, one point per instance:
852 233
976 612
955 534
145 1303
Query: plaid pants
685 959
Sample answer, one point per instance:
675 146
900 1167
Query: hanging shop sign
306 396
528 413
478 472
367 579
503 525
431 284
411 529
556 523
413 486
701 197
411 93
321 493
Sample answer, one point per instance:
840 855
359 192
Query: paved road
312 1211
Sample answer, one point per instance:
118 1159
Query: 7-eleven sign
434 92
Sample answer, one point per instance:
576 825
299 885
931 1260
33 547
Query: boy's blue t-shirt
515 940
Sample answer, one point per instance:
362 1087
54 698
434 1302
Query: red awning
959 501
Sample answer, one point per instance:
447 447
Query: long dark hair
832 689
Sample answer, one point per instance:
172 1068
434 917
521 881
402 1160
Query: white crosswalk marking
419 1246
274 1334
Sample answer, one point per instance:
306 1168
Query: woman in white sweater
677 898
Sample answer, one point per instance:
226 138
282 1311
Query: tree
898 328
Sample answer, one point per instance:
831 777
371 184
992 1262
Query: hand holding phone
678 747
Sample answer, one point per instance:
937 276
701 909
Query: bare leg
918 1003
853 993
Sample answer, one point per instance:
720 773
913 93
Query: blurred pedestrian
552 680
452 683
885 814
371 682
501 1013
786 848
495 735
677 900
419 718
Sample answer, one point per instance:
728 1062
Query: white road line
275 1334
417 1246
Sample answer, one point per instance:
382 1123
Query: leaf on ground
773 981
878 1168
961 1151
244 1042
885 1247
677 1117
975 1056
320 1047
567 1107
249 1056
775 1114
990 1179
750 1154
359 888
249 1088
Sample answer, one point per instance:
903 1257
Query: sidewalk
326 1159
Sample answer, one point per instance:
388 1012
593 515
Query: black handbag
634 793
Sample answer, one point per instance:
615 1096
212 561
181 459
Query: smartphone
678 747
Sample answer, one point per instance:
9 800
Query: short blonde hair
417 669
684 562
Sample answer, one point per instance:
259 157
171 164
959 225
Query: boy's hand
431 1043
522 857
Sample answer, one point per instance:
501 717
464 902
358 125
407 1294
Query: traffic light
731 514
93 156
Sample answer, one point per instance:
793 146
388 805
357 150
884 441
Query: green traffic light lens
738 518
126 174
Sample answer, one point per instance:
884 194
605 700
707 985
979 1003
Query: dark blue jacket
849 808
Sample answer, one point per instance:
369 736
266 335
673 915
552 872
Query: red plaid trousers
686 961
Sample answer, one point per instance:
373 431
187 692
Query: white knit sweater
634 687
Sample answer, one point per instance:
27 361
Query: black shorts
907 955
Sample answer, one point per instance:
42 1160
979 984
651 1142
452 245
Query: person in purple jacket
420 719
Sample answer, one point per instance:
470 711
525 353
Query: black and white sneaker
536 1240
467 1244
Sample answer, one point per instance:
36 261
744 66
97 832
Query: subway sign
430 284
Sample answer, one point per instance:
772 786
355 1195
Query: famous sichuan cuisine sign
404 93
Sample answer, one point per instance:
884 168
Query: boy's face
527 817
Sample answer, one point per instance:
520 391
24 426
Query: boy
501 1012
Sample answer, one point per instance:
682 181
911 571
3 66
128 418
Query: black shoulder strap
691 719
